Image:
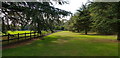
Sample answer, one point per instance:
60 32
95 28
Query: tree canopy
37 15
81 21
101 17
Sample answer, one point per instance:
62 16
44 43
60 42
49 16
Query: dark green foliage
81 21
101 17
37 15
106 17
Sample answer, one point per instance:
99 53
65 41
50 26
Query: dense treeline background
100 17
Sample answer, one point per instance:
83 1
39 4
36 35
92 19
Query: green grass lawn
67 43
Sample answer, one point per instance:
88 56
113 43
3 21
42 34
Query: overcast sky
72 6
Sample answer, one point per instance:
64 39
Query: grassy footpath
66 43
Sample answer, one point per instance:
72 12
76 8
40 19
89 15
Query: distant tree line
100 17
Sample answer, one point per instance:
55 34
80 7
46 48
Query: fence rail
9 38
22 36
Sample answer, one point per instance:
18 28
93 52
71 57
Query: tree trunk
85 31
52 31
8 26
118 36
118 23
39 29
78 30
3 26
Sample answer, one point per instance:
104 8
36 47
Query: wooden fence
19 37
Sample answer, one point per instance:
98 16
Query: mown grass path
67 43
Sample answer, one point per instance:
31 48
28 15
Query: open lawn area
67 43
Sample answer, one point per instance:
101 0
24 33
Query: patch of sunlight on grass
16 32
99 36
68 33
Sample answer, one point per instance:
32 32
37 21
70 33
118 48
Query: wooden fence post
34 35
8 38
38 34
25 35
18 36
30 34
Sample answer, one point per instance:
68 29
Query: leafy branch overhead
40 15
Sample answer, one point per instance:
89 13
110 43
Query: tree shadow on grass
53 40
99 34
57 38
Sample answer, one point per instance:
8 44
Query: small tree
81 21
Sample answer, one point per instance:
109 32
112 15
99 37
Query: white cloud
72 6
